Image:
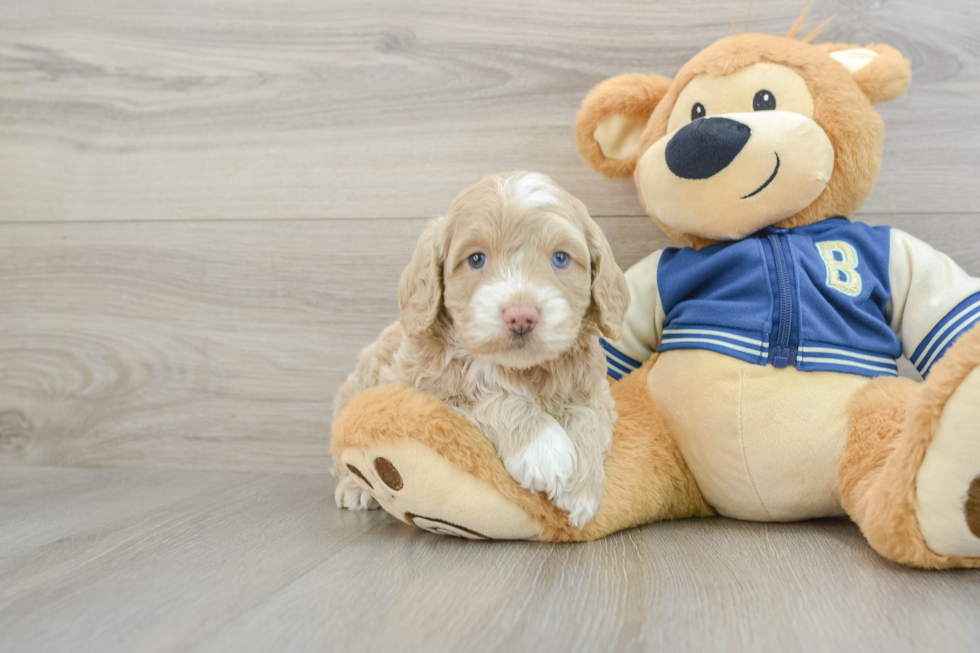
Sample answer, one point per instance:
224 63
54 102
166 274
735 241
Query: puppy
501 310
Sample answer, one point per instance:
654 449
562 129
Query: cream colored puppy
501 310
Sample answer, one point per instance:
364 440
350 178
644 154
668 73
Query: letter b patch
842 261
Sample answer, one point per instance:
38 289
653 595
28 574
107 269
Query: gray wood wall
205 206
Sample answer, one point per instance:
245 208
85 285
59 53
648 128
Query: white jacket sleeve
644 322
933 301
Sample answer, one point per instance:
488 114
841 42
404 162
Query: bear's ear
879 70
612 118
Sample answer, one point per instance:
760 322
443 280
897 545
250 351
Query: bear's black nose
705 147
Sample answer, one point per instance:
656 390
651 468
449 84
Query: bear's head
756 130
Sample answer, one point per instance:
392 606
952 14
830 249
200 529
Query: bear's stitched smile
767 182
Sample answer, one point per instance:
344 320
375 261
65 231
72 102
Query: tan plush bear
758 364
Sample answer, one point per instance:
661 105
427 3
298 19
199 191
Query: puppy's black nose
705 147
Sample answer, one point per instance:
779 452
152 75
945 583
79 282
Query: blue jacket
833 296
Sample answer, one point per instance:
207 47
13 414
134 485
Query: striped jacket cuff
957 322
618 364
748 346
820 357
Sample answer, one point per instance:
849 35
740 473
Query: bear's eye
764 101
697 111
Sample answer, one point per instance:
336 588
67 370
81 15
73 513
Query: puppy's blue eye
560 260
477 260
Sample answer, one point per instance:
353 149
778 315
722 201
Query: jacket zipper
781 355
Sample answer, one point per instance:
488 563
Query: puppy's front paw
350 496
580 506
546 464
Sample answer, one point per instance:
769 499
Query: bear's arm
643 326
933 300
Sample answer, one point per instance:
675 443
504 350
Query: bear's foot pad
973 507
418 486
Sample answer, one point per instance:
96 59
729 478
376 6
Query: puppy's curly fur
539 394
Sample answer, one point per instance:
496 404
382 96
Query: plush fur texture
646 476
633 96
892 424
886 78
842 108
383 414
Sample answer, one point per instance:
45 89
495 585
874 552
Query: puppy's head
518 269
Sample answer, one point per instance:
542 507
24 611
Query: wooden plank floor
162 560
204 210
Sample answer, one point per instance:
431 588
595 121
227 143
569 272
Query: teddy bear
756 375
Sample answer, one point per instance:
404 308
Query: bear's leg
431 468
910 472
647 479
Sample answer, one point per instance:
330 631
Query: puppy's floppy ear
610 294
420 287
612 118
879 70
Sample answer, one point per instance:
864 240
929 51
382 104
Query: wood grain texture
146 561
121 110
218 344
95 560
